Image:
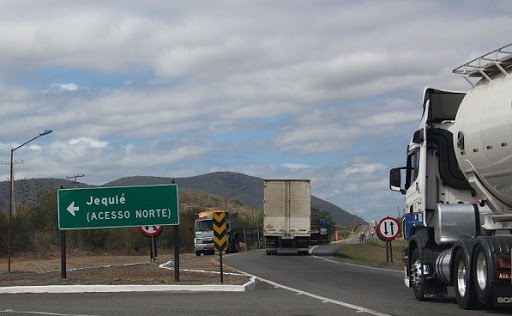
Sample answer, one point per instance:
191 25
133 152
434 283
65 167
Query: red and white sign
388 228
151 231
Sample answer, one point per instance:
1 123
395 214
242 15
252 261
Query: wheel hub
481 271
461 279
416 273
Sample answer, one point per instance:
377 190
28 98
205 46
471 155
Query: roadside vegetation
373 253
35 228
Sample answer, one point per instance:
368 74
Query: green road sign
114 207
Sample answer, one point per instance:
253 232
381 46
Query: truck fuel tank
483 136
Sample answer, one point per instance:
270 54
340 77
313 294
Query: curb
62 289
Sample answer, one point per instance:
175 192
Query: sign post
152 232
220 237
387 230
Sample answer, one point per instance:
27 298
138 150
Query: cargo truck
320 232
458 189
287 216
203 232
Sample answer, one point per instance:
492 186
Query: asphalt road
372 290
293 285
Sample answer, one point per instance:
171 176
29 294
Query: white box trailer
287 215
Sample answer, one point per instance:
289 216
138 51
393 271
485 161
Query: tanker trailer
458 189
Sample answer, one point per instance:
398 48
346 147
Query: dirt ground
114 270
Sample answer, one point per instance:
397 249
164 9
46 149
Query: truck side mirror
418 137
395 180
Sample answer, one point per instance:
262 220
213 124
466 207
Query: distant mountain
224 184
221 184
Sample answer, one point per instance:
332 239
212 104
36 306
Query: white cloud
57 88
364 168
181 88
88 142
295 166
35 147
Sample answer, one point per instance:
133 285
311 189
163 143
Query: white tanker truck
458 189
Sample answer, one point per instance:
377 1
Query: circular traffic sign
388 228
151 231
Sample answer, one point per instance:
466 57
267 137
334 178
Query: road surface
291 285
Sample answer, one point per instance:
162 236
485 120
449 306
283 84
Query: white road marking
41 313
357 308
352 264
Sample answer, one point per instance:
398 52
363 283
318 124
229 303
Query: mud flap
501 295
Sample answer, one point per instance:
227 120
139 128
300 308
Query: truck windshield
205 225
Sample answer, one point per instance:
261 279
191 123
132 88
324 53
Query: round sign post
152 232
387 230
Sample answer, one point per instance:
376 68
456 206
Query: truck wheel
417 278
481 266
198 253
464 288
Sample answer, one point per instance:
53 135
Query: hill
222 184
26 190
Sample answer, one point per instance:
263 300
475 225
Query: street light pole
227 197
252 209
11 197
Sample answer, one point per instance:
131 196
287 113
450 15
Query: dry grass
112 269
373 252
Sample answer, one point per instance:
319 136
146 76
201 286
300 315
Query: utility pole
75 177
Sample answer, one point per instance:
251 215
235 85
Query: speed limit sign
388 228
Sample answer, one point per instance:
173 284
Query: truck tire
198 253
417 277
481 275
464 288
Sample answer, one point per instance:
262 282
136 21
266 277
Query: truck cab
203 232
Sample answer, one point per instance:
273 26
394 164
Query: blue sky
322 90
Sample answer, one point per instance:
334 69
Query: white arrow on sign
72 208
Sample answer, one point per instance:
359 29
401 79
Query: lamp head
46 132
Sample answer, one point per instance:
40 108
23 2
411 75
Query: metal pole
176 254
221 267
387 251
259 238
151 250
63 253
9 229
391 251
